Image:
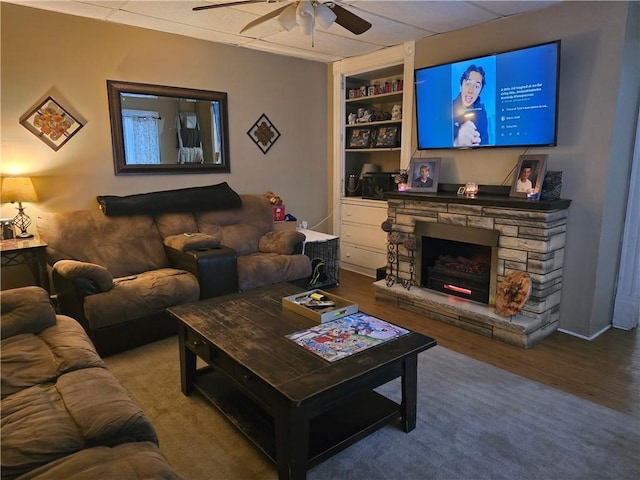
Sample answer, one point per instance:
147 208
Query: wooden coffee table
296 407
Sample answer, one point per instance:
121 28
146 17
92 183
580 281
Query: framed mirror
158 129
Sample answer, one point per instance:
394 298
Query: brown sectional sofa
117 269
63 413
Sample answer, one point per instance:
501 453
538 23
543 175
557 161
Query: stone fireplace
490 236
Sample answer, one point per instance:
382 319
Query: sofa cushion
83 408
239 229
25 310
212 197
175 223
122 245
28 360
260 269
191 241
139 295
128 461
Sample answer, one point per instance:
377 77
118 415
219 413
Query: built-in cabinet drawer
364 235
369 260
363 243
370 215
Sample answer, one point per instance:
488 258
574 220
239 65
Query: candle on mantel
471 189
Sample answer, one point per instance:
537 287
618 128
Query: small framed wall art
360 137
51 123
264 133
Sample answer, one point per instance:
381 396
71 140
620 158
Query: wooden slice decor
513 293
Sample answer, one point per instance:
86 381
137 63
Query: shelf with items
380 98
373 103
370 150
374 124
382 137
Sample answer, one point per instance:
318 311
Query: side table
30 252
324 252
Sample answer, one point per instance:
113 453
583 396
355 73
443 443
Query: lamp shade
324 15
368 168
305 17
288 17
18 189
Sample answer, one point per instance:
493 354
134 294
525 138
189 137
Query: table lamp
19 189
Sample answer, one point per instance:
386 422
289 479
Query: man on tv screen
469 114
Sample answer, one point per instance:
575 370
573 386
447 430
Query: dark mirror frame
114 90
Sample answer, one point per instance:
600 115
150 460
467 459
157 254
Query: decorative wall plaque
51 123
264 133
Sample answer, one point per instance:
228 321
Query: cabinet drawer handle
196 343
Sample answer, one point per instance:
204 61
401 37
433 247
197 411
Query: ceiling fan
304 13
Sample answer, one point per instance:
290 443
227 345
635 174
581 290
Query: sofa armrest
215 268
286 242
25 310
73 269
70 293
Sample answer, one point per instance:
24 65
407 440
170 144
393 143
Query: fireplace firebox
457 260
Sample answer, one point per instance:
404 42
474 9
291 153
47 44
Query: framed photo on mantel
529 176
423 174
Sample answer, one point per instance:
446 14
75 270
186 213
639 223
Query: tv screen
508 99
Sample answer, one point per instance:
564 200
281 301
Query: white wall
72 57
599 94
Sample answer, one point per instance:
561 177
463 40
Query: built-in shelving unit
374 82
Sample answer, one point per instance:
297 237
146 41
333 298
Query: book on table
346 335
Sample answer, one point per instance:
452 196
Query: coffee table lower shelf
330 432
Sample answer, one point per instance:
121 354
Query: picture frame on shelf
423 174
387 137
361 137
530 171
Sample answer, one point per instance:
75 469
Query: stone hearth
531 239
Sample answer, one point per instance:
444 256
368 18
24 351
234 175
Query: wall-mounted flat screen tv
507 99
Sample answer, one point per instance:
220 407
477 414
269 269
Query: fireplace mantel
532 235
488 196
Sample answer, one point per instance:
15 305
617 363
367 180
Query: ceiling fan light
324 15
305 17
288 17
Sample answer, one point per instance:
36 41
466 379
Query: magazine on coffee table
347 335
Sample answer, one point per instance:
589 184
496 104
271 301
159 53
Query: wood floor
605 370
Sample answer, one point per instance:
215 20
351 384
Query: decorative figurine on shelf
401 180
367 116
351 119
273 198
396 112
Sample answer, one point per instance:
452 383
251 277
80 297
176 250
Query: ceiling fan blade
264 18
348 20
229 4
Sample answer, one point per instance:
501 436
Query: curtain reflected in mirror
158 129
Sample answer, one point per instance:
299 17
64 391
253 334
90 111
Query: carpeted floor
475 421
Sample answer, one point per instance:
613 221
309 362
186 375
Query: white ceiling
394 22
